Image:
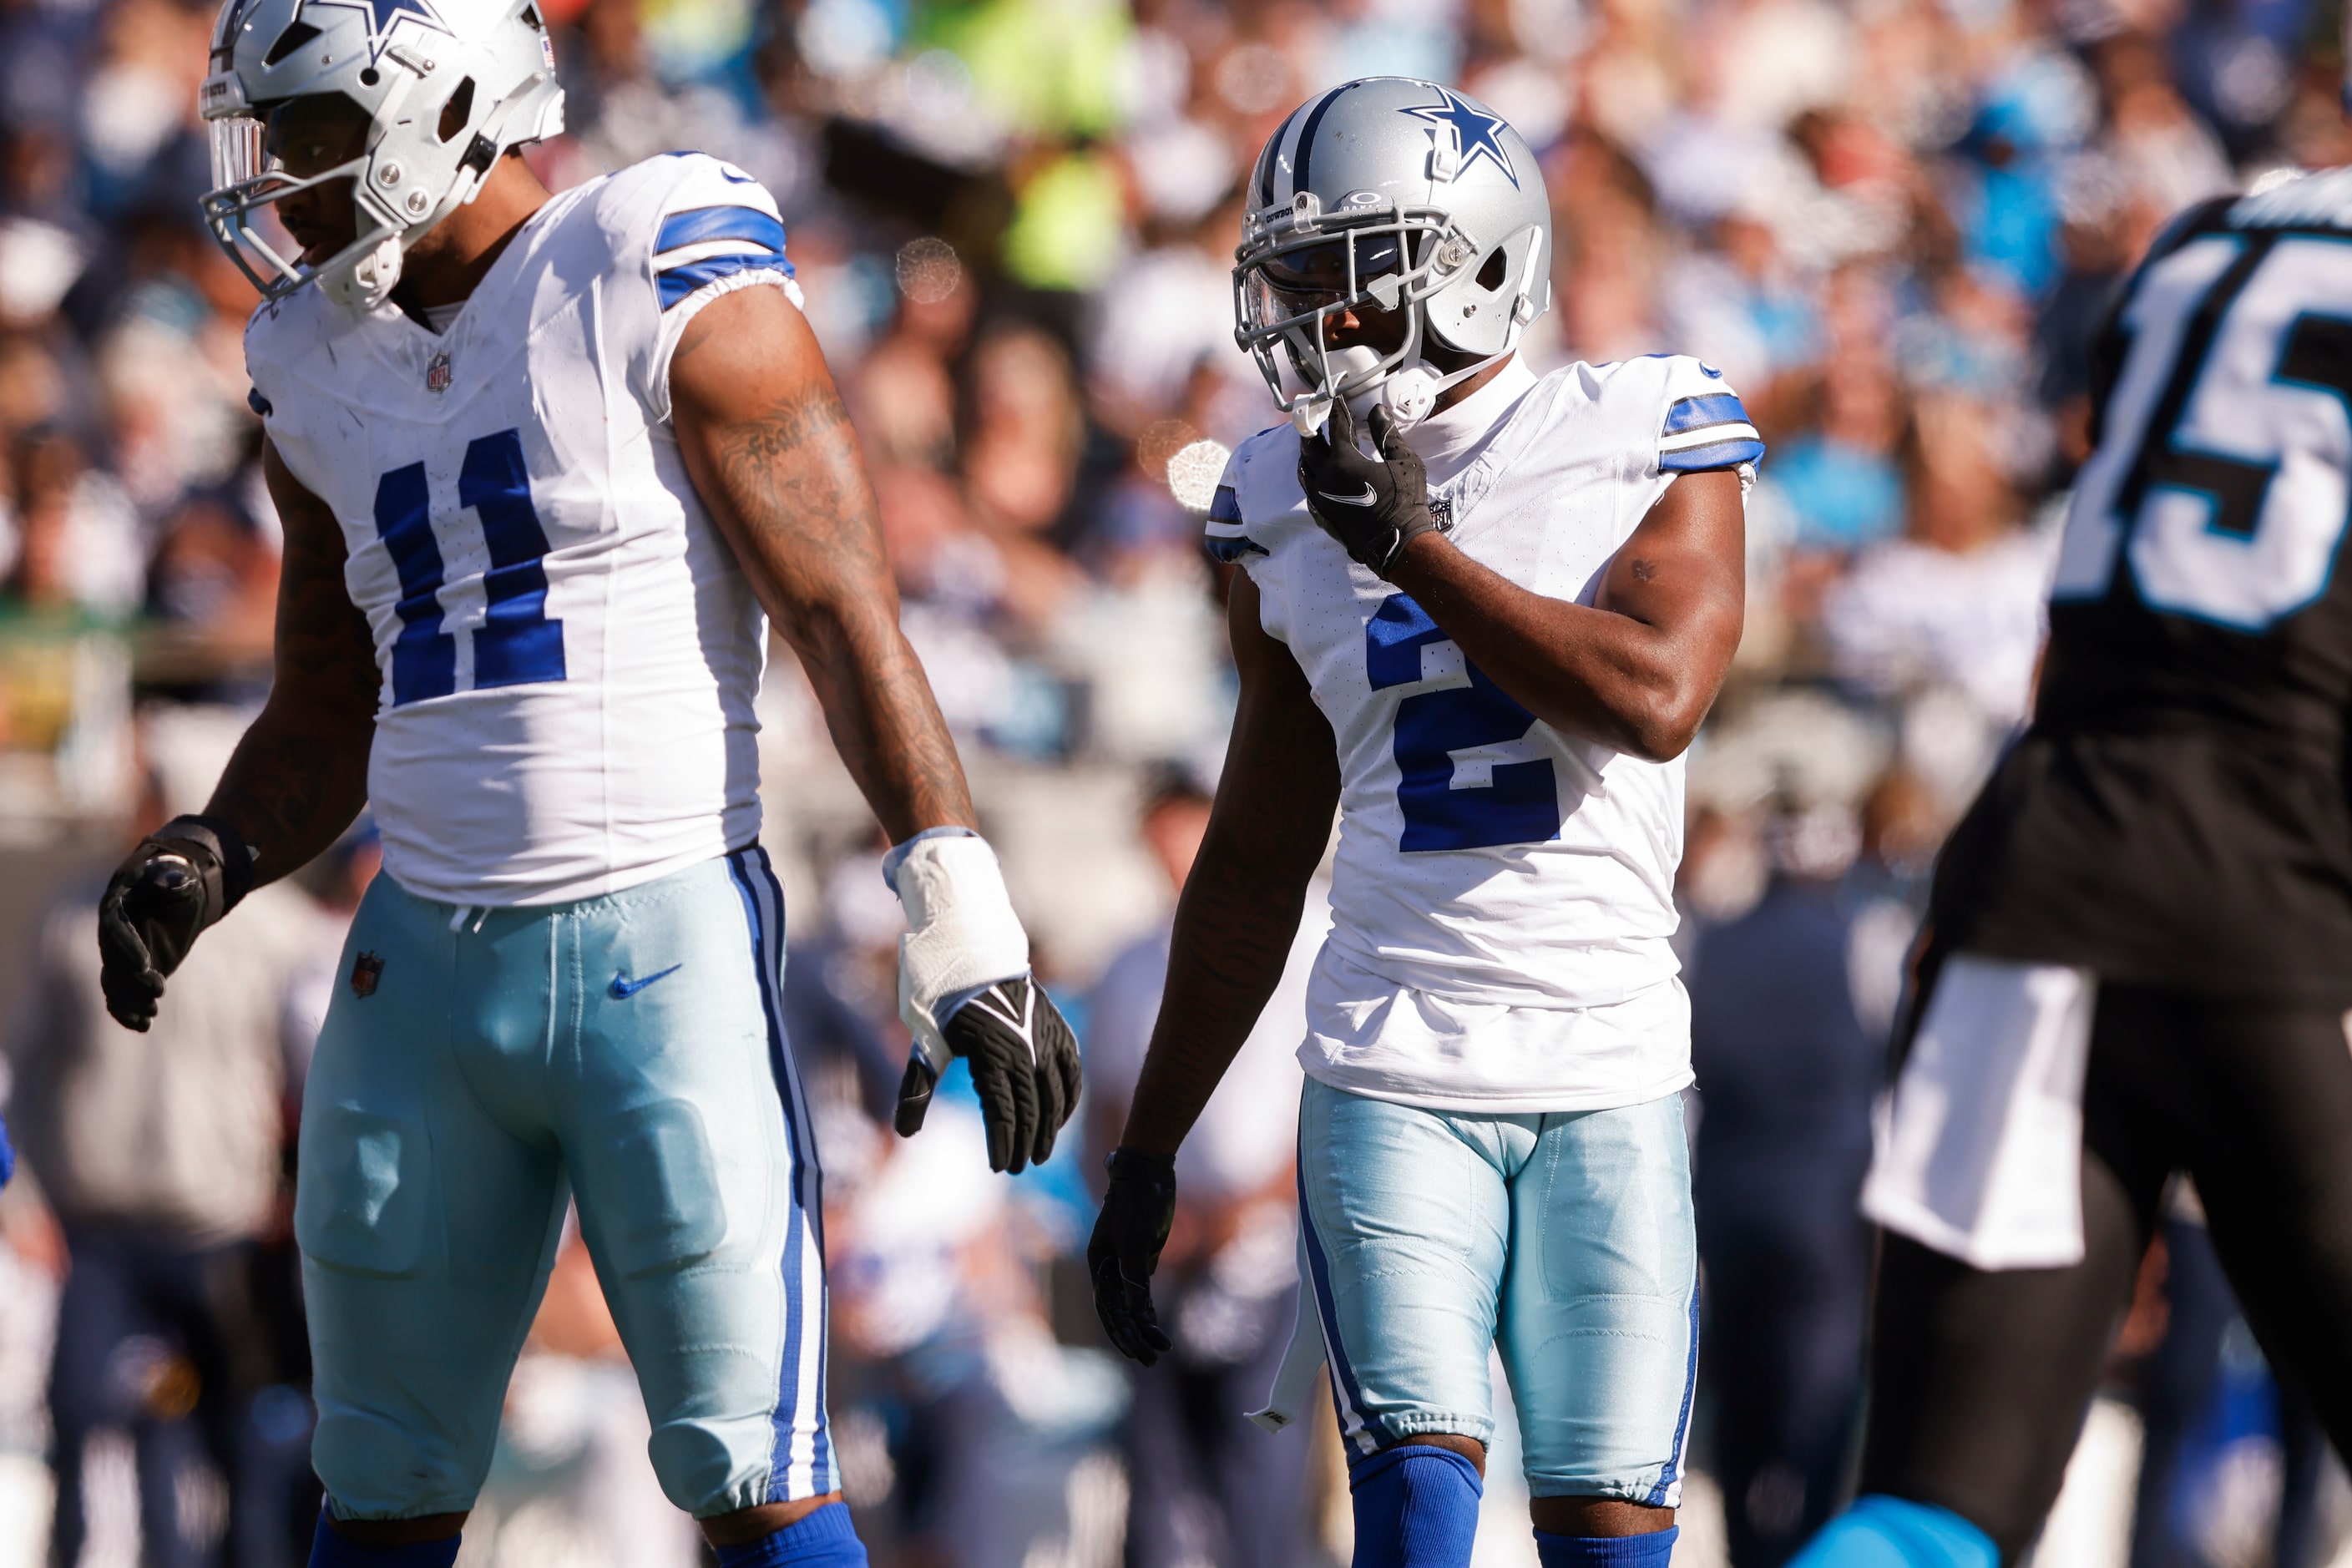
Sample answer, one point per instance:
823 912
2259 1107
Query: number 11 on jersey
516 643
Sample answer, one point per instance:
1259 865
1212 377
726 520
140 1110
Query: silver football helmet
1389 193
446 86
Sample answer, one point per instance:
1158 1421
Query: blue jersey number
516 643
1520 802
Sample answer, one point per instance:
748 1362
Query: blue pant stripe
1673 1472
783 1458
810 1170
1357 1430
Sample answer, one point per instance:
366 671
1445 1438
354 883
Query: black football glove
1124 1251
1024 1065
183 877
1373 506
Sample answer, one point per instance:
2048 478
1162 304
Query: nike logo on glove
1367 498
623 987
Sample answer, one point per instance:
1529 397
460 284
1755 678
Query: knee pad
1883 1531
823 1538
329 1549
1654 1549
1416 1507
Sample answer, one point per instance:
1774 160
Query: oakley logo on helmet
1475 130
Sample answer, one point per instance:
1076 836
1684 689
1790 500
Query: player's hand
1124 1252
1024 1065
1373 506
964 990
183 876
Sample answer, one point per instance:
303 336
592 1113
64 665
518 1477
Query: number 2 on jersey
516 643
1521 802
2230 504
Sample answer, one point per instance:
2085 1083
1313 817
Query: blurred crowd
1894 225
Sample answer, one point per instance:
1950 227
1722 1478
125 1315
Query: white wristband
962 935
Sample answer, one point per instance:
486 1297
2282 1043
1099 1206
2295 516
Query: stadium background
1892 223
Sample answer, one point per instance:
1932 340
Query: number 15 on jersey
2221 483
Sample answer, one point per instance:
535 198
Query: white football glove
965 990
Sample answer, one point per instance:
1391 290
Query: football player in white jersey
1486 642
548 465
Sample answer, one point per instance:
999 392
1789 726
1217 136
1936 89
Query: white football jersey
1483 856
569 652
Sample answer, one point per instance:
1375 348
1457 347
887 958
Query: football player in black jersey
2139 956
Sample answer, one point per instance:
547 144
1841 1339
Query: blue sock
1654 1549
823 1538
1882 1531
1416 1507
329 1549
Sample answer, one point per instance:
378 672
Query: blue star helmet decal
1473 129
382 15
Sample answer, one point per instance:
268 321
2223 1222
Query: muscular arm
1241 903
299 777
771 452
1636 670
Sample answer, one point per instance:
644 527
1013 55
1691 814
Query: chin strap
1409 393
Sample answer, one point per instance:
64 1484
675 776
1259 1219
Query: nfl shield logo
366 970
436 375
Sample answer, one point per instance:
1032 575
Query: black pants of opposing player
1981 1379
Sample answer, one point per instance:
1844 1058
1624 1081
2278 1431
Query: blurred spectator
1958 601
160 1153
1209 1487
1842 481
74 544
2205 1397
1786 1077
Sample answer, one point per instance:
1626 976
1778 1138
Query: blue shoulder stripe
705 224
679 281
1697 413
1224 506
1228 550
1715 455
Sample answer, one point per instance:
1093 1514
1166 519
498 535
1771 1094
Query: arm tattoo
1644 570
793 480
299 777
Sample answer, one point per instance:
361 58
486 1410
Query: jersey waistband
463 916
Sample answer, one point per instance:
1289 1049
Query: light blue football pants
1564 1239
477 1065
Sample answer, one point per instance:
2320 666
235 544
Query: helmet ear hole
1490 277
457 110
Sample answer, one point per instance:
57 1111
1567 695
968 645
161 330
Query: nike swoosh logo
1367 498
623 987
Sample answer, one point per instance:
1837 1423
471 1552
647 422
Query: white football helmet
447 86
1389 192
